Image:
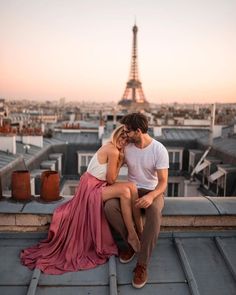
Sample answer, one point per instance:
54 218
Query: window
173 189
221 186
175 159
191 161
83 161
221 182
171 157
206 174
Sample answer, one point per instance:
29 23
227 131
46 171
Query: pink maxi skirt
79 236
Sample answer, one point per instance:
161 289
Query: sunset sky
81 50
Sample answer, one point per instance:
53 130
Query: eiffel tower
133 97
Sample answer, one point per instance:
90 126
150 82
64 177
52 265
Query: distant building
3 110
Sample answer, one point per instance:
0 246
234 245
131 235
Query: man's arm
147 200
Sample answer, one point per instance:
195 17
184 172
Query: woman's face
122 141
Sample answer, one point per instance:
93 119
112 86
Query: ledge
181 213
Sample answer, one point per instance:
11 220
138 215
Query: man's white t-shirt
144 163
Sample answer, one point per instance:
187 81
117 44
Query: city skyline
82 51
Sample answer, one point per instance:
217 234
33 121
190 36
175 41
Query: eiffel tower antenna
133 94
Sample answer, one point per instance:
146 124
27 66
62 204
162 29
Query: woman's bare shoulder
108 148
112 150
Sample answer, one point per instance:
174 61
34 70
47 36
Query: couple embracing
79 236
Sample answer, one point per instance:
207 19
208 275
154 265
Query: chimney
217 131
101 129
157 131
151 119
8 143
72 117
213 131
42 128
36 140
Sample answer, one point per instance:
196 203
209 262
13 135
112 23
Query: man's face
133 136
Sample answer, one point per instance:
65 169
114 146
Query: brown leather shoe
126 255
140 276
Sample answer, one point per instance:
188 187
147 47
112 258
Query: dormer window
83 161
175 158
173 190
218 182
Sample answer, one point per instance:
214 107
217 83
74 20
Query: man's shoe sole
139 286
126 261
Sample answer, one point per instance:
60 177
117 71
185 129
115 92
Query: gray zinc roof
33 150
84 138
6 158
183 134
226 145
182 263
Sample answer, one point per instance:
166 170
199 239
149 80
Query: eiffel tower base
132 106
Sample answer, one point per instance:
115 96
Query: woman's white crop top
96 169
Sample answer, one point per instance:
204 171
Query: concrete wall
157 131
8 143
36 140
217 131
196 122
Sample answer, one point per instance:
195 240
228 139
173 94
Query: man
148 163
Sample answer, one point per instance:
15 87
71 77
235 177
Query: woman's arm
115 160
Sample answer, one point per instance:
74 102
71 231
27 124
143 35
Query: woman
108 161
79 236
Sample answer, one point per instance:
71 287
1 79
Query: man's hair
135 121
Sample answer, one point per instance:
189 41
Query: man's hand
144 202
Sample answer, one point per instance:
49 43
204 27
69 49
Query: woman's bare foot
134 242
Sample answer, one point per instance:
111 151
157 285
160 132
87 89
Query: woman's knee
125 193
132 187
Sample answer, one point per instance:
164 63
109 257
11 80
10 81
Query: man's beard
134 140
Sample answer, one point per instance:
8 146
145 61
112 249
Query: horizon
31 100
82 51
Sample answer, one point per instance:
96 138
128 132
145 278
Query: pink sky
81 50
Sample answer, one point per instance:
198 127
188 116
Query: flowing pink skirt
79 236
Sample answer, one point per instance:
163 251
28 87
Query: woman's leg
123 192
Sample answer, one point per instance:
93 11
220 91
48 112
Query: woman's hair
135 121
116 134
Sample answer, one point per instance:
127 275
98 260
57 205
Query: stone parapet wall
193 213
23 222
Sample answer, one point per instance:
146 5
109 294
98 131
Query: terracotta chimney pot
50 186
20 183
